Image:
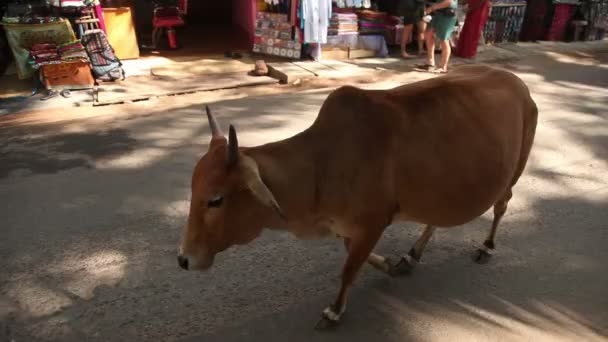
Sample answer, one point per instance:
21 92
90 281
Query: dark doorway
210 29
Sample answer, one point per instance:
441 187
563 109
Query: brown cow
439 152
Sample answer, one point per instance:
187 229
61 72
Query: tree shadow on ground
570 67
62 151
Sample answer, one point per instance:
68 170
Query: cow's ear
233 147
259 188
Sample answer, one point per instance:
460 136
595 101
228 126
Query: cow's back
440 151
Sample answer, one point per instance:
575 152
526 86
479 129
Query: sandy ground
92 209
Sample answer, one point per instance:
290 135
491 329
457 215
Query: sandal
49 95
424 67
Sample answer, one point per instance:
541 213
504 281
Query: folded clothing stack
41 54
343 24
73 51
30 19
371 22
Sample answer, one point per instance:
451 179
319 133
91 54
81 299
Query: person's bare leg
446 50
430 46
405 39
421 29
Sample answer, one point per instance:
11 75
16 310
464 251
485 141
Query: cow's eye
215 202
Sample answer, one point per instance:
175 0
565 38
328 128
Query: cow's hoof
405 266
325 324
329 319
482 256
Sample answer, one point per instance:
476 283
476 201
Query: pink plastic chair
166 18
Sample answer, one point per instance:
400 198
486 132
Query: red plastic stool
166 18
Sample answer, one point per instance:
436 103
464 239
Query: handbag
447 11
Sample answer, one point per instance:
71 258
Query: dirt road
92 208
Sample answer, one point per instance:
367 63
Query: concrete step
139 88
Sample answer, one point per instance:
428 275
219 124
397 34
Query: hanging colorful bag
104 62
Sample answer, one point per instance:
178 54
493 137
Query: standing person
412 12
477 15
441 27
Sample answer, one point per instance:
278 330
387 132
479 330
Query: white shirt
317 14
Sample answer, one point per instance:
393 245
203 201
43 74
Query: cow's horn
216 131
233 146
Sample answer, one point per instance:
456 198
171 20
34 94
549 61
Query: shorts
411 11
443 26
414 15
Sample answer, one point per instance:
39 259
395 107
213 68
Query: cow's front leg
359 249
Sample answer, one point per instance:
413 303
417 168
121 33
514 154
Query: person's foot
439 70
407 55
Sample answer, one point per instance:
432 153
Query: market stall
359 32
563 20
60 44
320 29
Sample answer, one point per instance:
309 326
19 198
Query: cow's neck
287 168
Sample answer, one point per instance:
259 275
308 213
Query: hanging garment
293 12
561 19
476 19
316 15
536 19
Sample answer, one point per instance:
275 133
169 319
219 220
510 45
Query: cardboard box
336 54
360 53
67 75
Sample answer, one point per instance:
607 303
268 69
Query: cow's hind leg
407 262
378 261
359 249
483 253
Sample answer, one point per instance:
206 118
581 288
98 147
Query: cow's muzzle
192 263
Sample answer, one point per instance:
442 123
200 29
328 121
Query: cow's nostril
183 262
